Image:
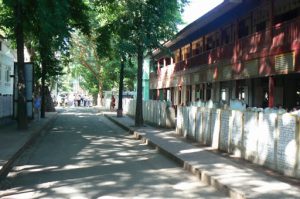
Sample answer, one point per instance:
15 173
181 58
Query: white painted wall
6 68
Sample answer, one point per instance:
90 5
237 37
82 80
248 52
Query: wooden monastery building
242 49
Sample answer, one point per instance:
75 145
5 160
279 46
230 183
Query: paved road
86 156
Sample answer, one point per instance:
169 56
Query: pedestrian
78 100
37 106
112 103
85 101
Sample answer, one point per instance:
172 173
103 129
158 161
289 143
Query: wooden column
187 61
180 59
237 86
205 92
158 67
271 91
157 94
271 79
180 55
165 94
204 47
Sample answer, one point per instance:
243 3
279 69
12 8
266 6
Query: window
209 42
197 47
186 52
153 65
261 18
168 61
244 27
208 91
161 63
241 93
261 26
286 10
223 94
179 95
197 92
212 40
177 56
227 35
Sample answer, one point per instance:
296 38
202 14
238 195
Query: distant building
146 75
247 50
7 58
6 67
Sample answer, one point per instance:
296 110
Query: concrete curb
201 174
6 168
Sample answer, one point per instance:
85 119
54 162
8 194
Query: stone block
215 127
266 139
251 134
199 126
236 139
225 130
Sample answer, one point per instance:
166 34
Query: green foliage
47 28
135 28
97 72
145 24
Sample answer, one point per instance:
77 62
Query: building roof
219 16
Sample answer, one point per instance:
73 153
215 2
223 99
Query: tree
144 26
13 20
52 31
99 72
45 22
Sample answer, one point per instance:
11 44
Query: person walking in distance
37 106
112 103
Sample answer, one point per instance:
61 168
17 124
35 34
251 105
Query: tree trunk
139 121
120 105
19 33
100 94
43 99
43 92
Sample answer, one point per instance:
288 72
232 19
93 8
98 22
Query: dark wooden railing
281 38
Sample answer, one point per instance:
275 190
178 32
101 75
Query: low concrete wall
6 109
154 112
268 139
6 106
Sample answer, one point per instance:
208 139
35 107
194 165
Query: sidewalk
14 142
236 178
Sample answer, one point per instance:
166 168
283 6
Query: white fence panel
225 130
236 138
215 127
192 122
206 126
266 138
185 126
287 144
251 134
179 120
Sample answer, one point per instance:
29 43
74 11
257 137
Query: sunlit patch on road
89 157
